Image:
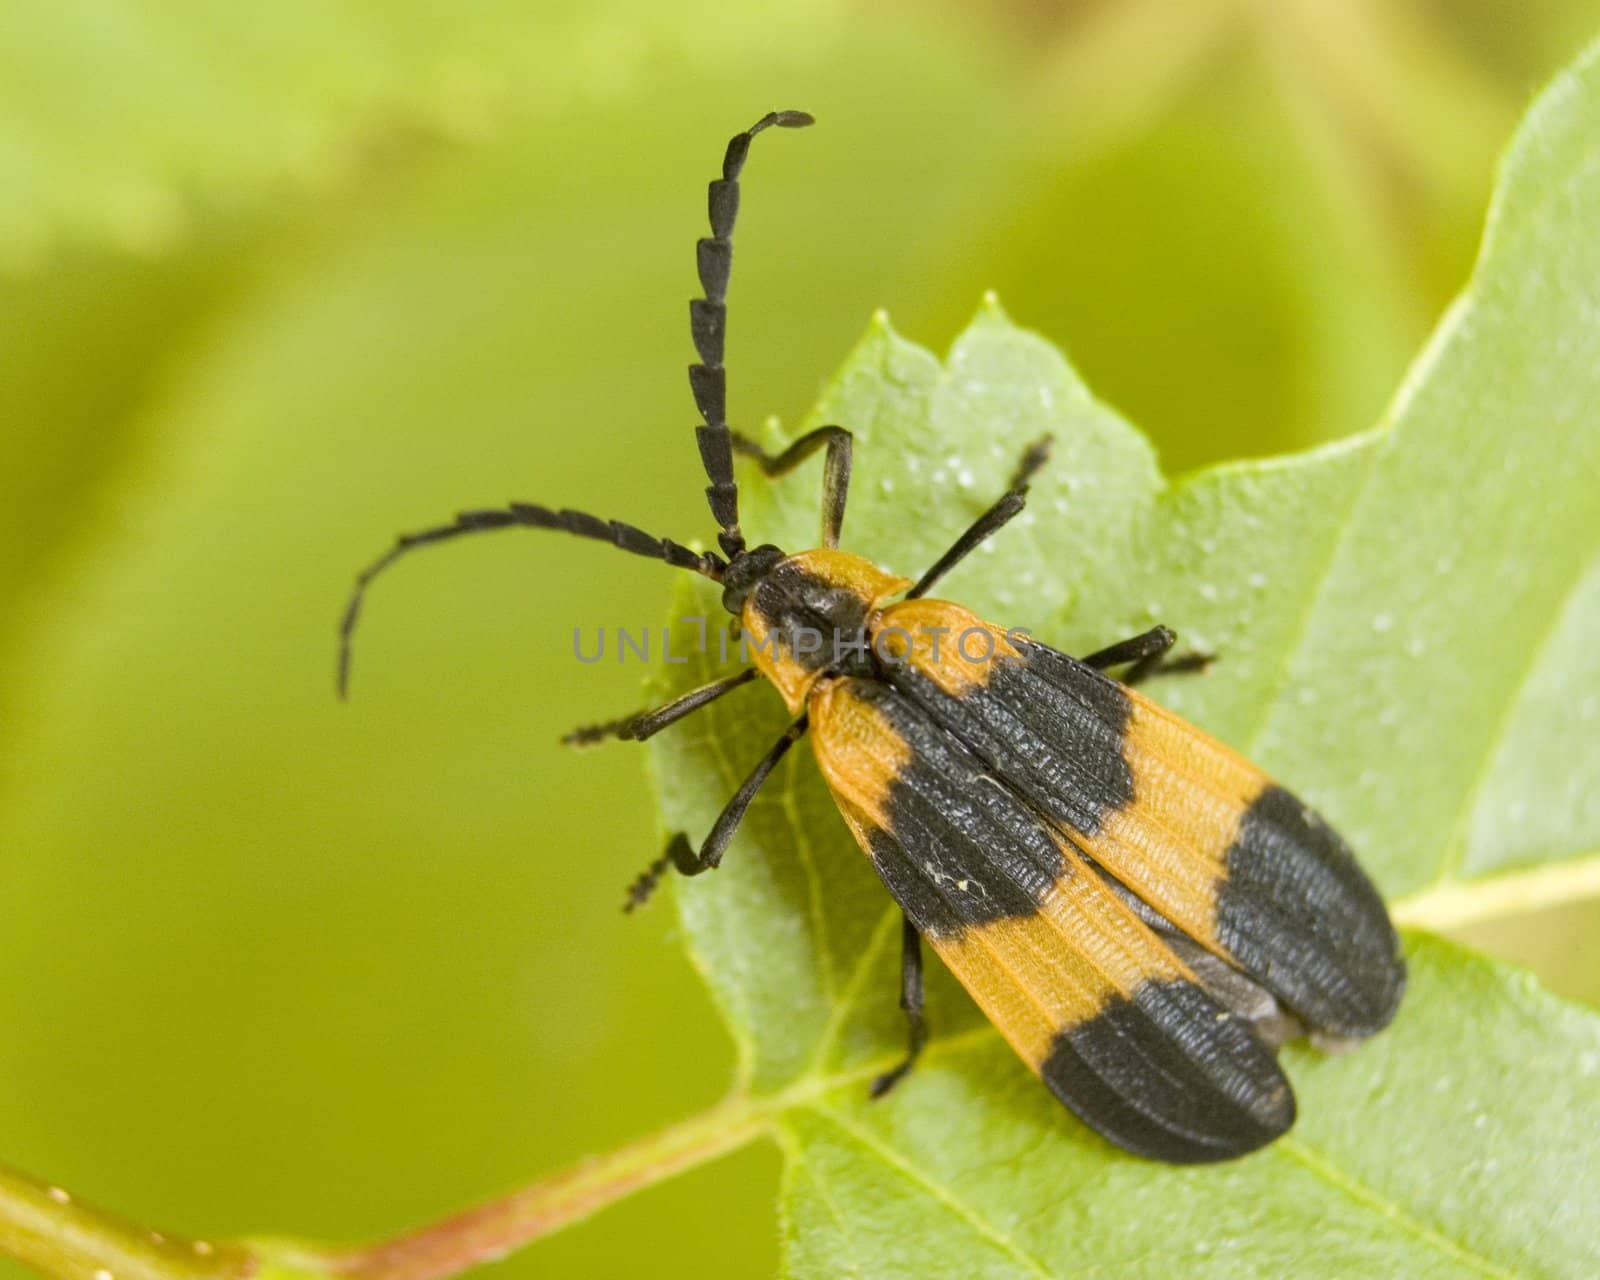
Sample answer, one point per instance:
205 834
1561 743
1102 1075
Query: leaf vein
894 1160
806 851
1326 1171
850 994
1302 626
794 1149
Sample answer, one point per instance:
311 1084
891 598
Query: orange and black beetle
1141 912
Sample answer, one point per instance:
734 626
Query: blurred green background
277 282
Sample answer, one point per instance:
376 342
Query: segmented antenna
708 319
517 515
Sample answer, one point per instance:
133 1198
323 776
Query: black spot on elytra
1169 1075
961 849
1297 913
1052 727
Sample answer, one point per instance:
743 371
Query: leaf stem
46 1229
493 1229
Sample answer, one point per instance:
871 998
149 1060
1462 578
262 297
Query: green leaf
1401 621
1410 1158
171 108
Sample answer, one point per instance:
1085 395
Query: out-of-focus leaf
123 124
1221 274
86 347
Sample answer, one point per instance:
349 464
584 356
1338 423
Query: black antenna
517 515
708 320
